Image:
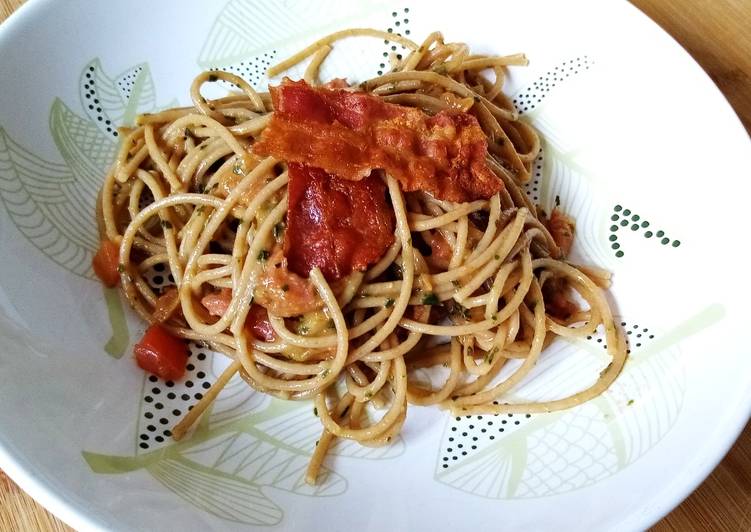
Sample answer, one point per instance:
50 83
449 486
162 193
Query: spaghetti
190 191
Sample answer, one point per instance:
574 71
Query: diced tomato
257 322
162 354
217 303
441 251
166 305
106 263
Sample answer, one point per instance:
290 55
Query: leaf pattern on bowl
548 454
246 442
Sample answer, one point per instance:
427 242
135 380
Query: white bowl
638 144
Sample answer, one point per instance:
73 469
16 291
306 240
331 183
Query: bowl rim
726 432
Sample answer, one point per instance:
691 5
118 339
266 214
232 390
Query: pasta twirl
190 191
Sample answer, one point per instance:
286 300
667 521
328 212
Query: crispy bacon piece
350 133
334 224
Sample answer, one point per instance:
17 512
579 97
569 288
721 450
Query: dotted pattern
127 82
253 70
164 402
399 26
92 100
623 218
158 277
636 336
468 434
533 187
532 96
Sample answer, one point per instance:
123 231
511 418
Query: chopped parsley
389 302
166 224
263 255
430 299
278 231
121 268
630 402
456 283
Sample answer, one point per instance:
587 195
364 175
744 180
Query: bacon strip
334 224
350 133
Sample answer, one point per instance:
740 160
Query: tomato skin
106 262
257 321
162 354
167 304
217 303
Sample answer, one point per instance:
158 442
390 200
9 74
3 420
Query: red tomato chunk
161 353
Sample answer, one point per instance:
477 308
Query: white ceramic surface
638 144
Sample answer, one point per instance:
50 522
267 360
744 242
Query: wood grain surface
718 35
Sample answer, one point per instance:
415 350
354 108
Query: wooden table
718 34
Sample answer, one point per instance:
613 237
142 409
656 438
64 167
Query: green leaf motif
229 40
246 442
51 203
549 454
120 338
218 494
531 98
110 102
